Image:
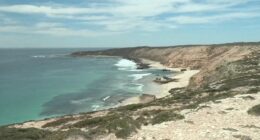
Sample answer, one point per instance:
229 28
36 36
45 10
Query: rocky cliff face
207 58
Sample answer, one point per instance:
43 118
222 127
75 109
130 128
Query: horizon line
177 45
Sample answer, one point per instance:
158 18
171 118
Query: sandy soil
227 120
40 123
34 124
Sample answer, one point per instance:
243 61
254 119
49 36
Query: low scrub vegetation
38 134
120 124
22 134
123 124
254 90
132 107
166 116
58 122
255 110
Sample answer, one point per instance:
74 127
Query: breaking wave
139 76
125 64
48 56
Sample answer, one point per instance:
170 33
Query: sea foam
39 56
140 87
95 107
49 56
107 97
80 101
139 76
125 64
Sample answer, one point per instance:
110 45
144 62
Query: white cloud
131 24
122 8
212 19
209 6
126 7
47 25
81 17
146 8
48 10
127 15
52 29
61 31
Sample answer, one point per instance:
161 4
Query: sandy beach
183 79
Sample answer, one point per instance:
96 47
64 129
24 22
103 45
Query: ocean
42 83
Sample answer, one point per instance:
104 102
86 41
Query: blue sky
126 23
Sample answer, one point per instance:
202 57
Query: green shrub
150 113
121 125
58 122
166 116
22 134
182 96
142 120
255 110
93 121
254 90
132 107
37 134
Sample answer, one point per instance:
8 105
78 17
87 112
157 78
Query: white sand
183 81
183 77
132 100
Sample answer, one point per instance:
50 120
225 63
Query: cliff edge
207 58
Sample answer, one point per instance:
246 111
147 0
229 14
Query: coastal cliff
206 58
220 102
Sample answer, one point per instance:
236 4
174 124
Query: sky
126 23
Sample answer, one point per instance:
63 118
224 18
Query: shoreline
183 79
223 102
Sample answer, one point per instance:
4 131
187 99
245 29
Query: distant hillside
207 58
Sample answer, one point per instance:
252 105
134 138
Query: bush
254 90
255 110
182 96
93 121
37 134
132 107
58 122
121 125
166 116
70 134
22 134
150 113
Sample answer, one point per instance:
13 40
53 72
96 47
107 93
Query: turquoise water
40 83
